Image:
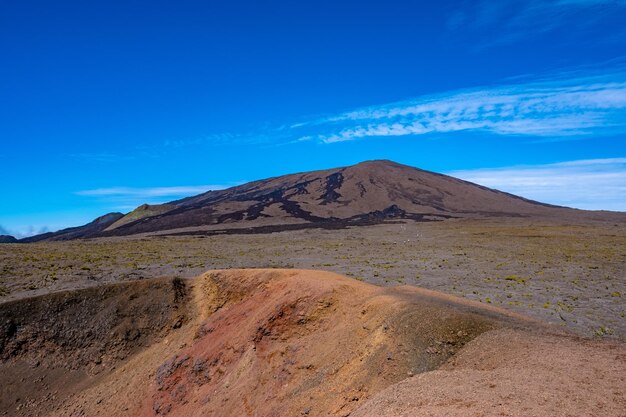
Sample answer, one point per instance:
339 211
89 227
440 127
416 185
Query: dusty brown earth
512 373
569 274
294 343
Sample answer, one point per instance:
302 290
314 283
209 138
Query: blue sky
107 105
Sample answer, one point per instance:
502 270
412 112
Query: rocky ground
573 275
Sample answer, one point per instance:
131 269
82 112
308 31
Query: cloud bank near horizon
594 184
24 231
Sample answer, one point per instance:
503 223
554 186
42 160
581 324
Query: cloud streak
518 20
127 198
558 107
595 184
101 157
151 191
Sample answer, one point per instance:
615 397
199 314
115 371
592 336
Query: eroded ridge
267 342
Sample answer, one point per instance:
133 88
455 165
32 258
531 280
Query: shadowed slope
54 346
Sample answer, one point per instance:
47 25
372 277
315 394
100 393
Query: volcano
367 193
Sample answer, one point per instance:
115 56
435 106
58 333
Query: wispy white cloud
594 184
214 139
516 20
127 198
151 191
101 157
31 230
557 107
258 136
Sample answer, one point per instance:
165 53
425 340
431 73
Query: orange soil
309 343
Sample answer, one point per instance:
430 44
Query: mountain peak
368 192
379 163
362 194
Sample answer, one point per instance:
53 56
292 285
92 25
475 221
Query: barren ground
573 275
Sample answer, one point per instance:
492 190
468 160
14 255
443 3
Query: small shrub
603 331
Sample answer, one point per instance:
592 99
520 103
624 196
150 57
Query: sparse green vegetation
520 266
516 279
603 331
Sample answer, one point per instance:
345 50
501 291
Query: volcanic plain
569 274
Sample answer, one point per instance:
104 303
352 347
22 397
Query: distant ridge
7 239
87 230
366 193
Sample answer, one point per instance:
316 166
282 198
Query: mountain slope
143 211
365 193
87 230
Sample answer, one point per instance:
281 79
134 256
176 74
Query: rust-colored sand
310 343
